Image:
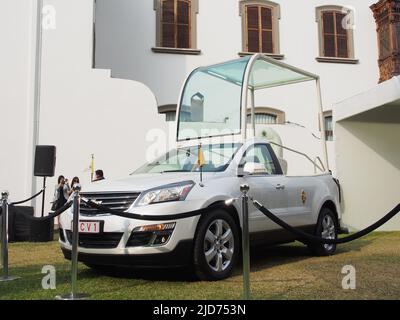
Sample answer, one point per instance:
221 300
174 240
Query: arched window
335 27
265 115
260 26
176 26
263 118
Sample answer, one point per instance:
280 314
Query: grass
282 272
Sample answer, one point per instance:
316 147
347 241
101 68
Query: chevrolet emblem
303 196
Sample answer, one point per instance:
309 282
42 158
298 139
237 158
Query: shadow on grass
261 258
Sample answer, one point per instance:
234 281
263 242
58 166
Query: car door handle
280 187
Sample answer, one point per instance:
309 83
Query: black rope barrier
43 219
136 216
31 198
301 236
306 237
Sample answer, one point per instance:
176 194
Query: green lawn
284 272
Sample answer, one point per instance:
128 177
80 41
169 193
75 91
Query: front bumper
113 247
180 256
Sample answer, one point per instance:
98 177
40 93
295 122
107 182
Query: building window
328 126
263 118
336 40
265 115
170 116
176 26
260 27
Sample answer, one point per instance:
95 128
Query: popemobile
215 154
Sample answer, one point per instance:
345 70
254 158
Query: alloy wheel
328 231
219 245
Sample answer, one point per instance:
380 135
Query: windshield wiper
169 171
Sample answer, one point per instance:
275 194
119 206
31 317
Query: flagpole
92 168
200 161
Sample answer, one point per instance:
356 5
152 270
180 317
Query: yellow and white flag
200 157
91 166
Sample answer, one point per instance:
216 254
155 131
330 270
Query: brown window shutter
168 23
267 30
328 19
342 37
335 37
259 29
253 29
252 17
267 43
183 12
183 24
266 18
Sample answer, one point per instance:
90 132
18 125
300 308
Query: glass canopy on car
214 98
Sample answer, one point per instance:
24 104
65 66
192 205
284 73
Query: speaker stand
43 195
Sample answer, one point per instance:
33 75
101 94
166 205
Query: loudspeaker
45 161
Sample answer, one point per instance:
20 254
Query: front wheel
326 228
216 246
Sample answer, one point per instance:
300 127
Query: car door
268 188
300 195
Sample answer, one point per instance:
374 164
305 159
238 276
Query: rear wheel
216 246
326 228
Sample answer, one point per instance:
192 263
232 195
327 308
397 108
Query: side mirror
254 168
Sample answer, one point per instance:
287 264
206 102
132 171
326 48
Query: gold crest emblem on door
303 196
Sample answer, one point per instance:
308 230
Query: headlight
167 193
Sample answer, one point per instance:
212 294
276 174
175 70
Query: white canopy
214 100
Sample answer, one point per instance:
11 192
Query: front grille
106 240
120 201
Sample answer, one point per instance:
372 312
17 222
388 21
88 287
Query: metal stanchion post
245 241
4 238
74 254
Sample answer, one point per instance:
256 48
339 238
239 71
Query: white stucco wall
368 160
83 110
126 32
16 96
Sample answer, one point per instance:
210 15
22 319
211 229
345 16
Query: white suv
210 242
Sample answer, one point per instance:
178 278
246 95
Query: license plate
91 227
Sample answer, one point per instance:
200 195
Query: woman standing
74 181
60 193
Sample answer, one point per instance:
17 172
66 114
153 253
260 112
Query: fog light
151 235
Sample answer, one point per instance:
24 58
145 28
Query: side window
260 153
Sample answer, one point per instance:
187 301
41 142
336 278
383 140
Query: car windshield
210 105
216 159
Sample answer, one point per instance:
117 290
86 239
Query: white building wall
126 32
83 110
368 161
16 96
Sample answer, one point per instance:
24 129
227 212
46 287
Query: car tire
327 228
216 246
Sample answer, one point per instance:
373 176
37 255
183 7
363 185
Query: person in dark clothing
99 175
74 181
61 193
